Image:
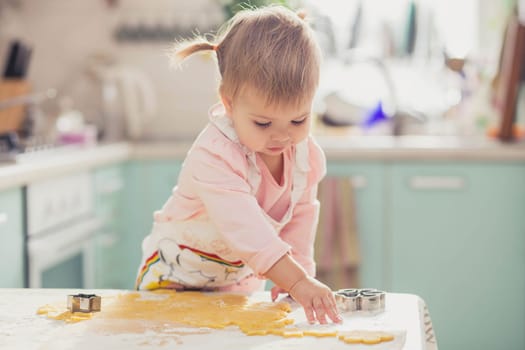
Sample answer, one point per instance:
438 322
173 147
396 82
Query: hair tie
302 14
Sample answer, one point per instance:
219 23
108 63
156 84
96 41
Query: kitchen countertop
45 164
378 148
419 148
22 328
32 167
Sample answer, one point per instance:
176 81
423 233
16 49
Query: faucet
391 108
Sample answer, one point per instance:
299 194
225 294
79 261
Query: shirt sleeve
300 231
219 176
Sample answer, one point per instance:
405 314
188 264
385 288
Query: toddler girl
245 206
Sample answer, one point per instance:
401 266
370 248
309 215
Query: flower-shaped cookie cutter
371 300
83 302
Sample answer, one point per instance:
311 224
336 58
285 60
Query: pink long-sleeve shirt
213 184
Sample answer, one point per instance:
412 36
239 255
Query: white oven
61 226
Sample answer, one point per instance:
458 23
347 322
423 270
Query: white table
22 328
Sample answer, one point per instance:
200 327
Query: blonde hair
271 49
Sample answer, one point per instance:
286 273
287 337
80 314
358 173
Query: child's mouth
276 149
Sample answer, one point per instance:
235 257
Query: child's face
267 129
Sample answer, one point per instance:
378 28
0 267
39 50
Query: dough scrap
320 333
365 337
55 313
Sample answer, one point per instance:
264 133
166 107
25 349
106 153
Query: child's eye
299 122
263 125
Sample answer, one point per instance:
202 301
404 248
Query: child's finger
331 310
274 293
309 313
320 310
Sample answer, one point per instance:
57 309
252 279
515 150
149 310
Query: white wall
66 34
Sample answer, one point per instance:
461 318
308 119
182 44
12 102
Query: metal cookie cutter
371 300
83 303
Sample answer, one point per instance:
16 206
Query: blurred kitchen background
420 110
424 67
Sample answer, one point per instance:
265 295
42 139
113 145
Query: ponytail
184 49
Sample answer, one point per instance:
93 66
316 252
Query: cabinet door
11 239
457 237
109 188
162 176
368 185
148 186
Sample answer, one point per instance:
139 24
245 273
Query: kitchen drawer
109 186
11 239
109 181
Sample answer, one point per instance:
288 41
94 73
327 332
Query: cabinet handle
3 218
437 182
110 187
358 181
107 240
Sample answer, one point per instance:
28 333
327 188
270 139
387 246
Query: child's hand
317 300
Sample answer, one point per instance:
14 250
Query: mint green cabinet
368 191
163 176
109 255
148 185
457 239
11 239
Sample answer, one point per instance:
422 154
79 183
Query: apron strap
300 177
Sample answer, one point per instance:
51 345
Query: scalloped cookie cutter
372 300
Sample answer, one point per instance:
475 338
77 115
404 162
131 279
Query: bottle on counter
71 127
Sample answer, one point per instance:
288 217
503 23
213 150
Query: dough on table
202 310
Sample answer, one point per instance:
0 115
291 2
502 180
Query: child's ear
227 102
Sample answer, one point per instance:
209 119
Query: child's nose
281 136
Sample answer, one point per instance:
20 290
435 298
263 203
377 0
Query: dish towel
337 242
430 336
